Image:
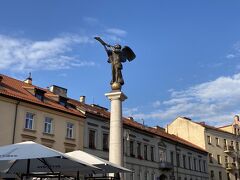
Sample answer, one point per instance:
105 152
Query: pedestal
116 127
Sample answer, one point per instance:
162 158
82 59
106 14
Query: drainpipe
15 122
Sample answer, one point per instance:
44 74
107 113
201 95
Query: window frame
104 143
70 131
131 148
92 143
28 119
48 124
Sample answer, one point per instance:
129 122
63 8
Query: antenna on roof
29 79
30 75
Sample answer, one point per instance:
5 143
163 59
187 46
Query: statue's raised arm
117 55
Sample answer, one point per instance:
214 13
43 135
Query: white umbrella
30 157
105 165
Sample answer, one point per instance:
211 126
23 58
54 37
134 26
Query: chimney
58 90
130 118
159 128
82 99
236 119
29 79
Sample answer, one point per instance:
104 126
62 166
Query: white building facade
150 152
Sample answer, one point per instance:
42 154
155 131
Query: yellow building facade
221 143
30 113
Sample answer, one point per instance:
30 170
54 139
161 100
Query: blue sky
187 51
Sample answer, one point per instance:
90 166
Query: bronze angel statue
117 55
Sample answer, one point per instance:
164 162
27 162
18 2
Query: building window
209 139
200 165
190 162
29 120
162 155
178 159
236 176
70 130
145 152
204 166
210 157
224 142
153 176
194 164
152 153
105 141
184 161
237 146
232 146
219 159
132 149
171 156
212 174
139 153
217 141
220 175
146 175
39 94
226 159
91 137
48 125
63 101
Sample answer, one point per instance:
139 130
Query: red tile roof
106 114
19 90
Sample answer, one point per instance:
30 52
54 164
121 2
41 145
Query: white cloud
230 56
215 101
18 54
130 111
117 32
156 104
236 51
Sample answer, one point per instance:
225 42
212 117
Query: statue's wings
127 54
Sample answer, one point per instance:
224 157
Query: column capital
114 95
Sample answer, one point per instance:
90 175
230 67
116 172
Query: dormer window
63 101
39 94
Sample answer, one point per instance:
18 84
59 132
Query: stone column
116 127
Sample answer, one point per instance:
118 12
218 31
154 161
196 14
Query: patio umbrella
105 165
30 157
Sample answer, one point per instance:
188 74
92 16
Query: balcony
228 149
230 166
165 166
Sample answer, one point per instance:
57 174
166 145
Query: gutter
15 122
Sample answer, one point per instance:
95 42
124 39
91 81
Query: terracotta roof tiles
17 89
106 114
13 88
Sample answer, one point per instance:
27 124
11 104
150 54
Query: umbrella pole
59 176
28 168
78 175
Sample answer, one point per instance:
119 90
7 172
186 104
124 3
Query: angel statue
117 55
